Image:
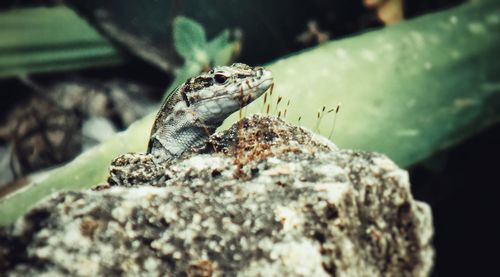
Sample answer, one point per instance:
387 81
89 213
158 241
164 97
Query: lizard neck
182 132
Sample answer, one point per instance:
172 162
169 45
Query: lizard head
223 90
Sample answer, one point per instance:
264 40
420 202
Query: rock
272 199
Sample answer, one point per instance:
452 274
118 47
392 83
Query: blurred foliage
268 27
191 43
408 90
48 40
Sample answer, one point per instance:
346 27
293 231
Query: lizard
189 115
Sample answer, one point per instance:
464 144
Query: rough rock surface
272 200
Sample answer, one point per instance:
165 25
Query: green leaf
48 40
224 55
220 50
220 41
189 39
217 43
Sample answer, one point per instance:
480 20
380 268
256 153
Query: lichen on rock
267 199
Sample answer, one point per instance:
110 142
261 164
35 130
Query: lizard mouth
256 90
265 84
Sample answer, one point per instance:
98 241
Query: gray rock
273 200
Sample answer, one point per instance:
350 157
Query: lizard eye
220 78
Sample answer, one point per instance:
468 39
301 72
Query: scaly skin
187 118
197 107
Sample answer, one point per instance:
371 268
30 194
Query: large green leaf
50 39
407 91
220 49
